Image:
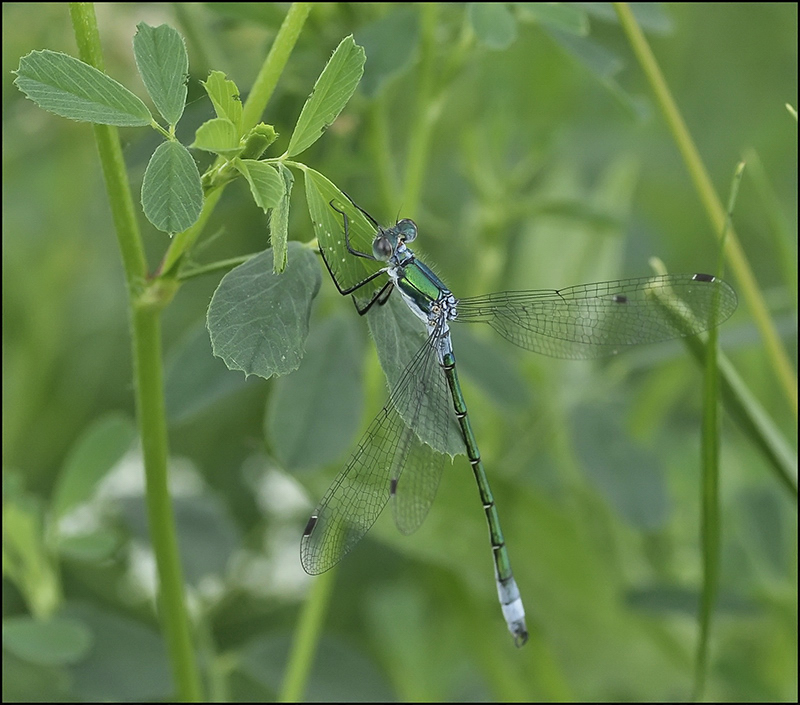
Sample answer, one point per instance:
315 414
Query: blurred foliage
544 165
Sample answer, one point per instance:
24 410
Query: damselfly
399 456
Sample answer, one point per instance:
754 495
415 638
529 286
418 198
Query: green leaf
315 413
754 420
96 452
70 88
258 320
208 536
195 379
218 135
164 66
93 547
257 141
25 682
494 25
51 642
558 15
279 220
391 44
172 196
224 96
399 335
601 62
328 227
331 92
348 674
266 185
652 17
630 476
26 560
119 642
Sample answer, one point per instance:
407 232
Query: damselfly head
384 244
388 241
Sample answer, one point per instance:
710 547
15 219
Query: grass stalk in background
784 240
426 111
306 637
435 75
747 411
381 152
735 255
710 523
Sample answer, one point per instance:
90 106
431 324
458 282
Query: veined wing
357 496
429 416
396 332
595 320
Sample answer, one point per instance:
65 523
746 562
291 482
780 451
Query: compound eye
407 229
382 248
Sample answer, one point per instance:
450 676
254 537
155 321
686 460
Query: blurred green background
547 166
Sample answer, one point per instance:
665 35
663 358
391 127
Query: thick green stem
148 377
183 242
273 65
148 380
713 206
120 200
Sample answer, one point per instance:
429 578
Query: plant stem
220 266
381 151
783 236
148 378
273 65
426 112
183 241
713 207
120 200
710 523
306 638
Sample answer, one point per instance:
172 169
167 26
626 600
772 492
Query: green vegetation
154 496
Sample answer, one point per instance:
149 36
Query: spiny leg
346 220
385 292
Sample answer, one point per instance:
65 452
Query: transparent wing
396 332
594 320
413 494
374 472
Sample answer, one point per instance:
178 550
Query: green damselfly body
396 461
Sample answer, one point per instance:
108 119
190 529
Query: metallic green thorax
419 285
